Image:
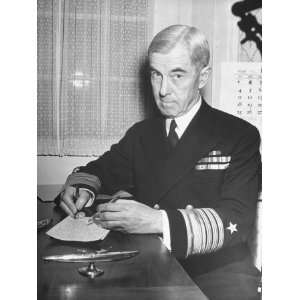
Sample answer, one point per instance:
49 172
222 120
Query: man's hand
72 203
129 216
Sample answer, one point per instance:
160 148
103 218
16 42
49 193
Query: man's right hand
72 203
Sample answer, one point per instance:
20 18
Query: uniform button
156 206
189 206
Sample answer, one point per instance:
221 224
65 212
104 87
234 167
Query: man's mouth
164 101
167 104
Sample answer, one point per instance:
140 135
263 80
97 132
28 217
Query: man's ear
204 76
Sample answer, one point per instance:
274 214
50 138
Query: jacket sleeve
111 172
229 221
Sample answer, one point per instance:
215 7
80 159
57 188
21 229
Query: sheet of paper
70 229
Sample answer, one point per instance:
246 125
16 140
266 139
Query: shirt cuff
92 197
166 230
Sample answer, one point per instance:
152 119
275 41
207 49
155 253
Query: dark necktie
173 137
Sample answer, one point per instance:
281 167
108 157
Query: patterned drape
91 56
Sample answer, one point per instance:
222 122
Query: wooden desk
153 274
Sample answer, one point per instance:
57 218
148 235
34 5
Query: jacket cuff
84 180
205 230
178 233
90 202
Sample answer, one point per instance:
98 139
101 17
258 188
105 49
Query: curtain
91 62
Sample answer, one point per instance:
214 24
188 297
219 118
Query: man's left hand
129 216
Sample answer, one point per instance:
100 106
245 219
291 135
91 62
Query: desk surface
153 274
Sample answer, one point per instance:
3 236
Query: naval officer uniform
205 182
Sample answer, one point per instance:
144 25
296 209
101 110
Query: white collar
184 120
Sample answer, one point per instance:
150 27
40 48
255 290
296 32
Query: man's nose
164 88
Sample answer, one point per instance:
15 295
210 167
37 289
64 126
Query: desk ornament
91 270
43 223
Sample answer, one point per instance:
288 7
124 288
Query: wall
169 12
199 13
54 169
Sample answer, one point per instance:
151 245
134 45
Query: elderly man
193 172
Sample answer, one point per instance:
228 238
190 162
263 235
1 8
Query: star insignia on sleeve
232 228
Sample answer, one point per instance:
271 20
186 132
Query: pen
77 192
75 197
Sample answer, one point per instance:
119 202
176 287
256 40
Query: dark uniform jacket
216 164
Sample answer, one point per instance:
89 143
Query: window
91 55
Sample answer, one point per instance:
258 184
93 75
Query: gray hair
195 42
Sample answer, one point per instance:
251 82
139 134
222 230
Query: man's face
175 81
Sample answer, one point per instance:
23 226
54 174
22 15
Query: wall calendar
241 91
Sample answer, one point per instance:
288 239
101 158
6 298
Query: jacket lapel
154 143
168 168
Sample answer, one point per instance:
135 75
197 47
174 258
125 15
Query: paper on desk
70 229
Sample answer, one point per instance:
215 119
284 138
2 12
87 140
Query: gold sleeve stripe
208 227
215 231
205 230
220 228
199 231
188 230
195 231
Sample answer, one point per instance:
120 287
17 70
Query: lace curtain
91 58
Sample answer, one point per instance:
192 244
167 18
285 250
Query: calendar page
241 93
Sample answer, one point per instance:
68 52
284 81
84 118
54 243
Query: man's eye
177 76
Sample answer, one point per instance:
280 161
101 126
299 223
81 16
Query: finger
115 225
108 207
124 201
66 209
67 199
119 205
82 200
107 216
70 191
121 194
